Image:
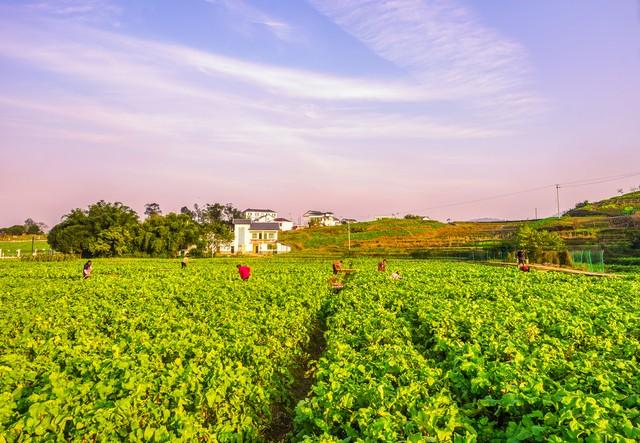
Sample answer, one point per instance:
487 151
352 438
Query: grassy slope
625 204
9 246
396 236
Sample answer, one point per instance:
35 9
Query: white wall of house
323 220
329 221
241 238
285 225
260 216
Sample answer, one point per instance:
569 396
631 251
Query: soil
282 413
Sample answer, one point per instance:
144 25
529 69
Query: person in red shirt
244 271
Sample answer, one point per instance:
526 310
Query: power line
524 191
597 180
571 184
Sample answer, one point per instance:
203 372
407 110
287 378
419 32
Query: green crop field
144 351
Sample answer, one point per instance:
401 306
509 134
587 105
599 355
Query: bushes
565 258
542 246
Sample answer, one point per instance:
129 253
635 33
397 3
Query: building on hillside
259 215
255 237
285 224
345 221
319 218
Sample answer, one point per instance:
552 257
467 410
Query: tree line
113 229
29 227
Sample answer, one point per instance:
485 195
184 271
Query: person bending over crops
521 255
184 262
86 270
382 266
337 266
395 275
244 271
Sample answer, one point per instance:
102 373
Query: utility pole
536 214
349 236
558 198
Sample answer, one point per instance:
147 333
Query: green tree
13 230
216 221
168 234
103 230
537 242
152 209
214 235
32 227
72 234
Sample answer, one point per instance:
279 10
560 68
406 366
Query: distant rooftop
258 210
241 221
280 219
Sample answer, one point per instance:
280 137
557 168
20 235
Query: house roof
241 221
264 226
280 219
318 213
258 210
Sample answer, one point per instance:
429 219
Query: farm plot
451 352
144 351
455 352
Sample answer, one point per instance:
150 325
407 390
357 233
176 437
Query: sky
454 109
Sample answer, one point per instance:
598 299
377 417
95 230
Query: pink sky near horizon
356 107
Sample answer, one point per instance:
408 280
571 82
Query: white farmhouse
255 237
259 215
319 218
285 224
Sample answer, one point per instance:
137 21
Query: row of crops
451 352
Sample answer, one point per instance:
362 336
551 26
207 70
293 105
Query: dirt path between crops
282 413
558 269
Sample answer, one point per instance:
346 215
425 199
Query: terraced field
450 352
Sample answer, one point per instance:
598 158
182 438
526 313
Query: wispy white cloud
246 13
107 56
90 11
442 46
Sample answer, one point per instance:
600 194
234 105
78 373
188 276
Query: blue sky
358 106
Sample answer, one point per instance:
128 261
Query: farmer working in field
382 266
521 255
337 266
184 262
244 271
86 270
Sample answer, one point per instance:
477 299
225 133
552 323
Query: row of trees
114 229
29 227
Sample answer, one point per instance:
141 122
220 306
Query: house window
254 236
270 235
260 235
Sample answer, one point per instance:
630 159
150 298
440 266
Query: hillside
616 234
626 204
